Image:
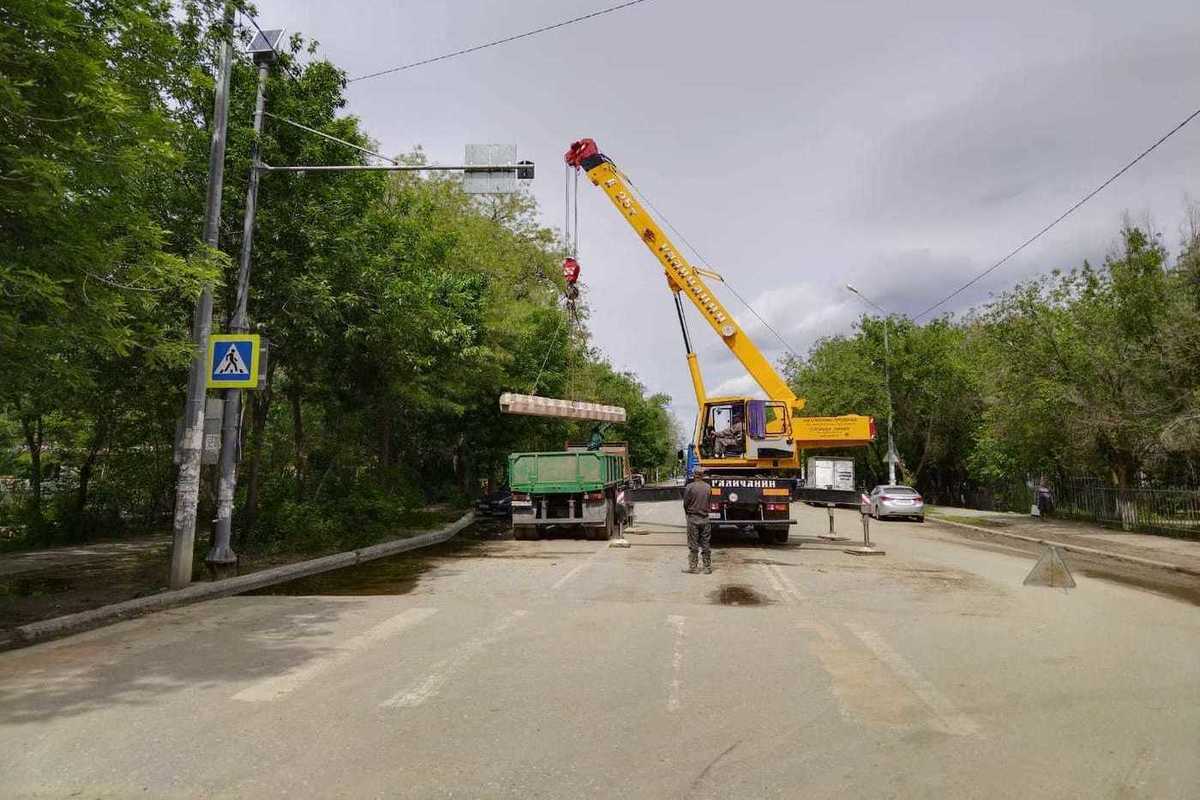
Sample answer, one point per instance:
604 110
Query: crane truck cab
745 429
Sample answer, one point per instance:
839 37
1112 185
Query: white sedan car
896 501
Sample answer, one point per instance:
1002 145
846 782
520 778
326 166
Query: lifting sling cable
699 257
531 404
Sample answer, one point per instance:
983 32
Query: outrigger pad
532 405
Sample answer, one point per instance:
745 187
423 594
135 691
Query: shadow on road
97 671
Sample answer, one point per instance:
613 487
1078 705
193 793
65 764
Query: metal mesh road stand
1050 570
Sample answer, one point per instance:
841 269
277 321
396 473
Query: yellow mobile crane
742 442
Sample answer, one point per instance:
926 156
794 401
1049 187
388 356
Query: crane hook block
570 270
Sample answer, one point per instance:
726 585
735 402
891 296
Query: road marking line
953 721
587 562
677 623
280 685
864 688
784 584
446 669
776 584
558 584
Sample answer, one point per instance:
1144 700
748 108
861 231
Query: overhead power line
1060 218
331 138
497 42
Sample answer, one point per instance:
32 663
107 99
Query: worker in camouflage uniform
699 532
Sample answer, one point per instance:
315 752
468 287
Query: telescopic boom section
682 277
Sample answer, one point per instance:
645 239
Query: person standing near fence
1045 499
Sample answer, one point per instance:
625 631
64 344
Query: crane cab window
725 430
776 420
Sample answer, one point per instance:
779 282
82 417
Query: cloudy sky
800 146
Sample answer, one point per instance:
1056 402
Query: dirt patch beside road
1153 579
66 584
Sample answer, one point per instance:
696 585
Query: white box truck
828 480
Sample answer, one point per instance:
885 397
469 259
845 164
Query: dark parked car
496 504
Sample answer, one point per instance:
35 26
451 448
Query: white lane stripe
953 721
274 688
776 584
677 622
796 595
561 582
444 670
558 584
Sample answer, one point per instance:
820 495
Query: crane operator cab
746 429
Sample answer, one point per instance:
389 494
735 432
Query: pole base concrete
618 543
829 537
864 551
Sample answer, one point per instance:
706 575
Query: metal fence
1173 512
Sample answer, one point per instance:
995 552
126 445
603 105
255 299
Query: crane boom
682 277
742 434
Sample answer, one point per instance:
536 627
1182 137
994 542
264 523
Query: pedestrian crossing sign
233 360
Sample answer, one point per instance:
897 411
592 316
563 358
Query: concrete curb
1074 548
96 617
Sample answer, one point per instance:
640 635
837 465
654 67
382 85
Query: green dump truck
571 491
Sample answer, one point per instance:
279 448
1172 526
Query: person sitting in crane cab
732 439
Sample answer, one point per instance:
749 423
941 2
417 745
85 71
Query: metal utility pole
221 557
187 489
887 379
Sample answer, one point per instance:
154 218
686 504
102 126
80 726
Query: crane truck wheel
525 532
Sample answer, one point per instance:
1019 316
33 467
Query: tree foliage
397 308
1086 373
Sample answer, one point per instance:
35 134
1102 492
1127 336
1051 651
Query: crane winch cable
791 350
546 360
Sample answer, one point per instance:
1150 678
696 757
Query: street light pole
887 379
187 488
221 557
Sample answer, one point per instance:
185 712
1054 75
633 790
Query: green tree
90 130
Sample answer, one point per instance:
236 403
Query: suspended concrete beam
535 406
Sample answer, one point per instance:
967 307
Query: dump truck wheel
610 524
525 532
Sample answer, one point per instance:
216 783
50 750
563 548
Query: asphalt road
565 669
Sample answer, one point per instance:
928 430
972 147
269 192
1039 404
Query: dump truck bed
564 472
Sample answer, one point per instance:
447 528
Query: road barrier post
867 549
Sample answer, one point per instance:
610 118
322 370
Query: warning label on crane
845 431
